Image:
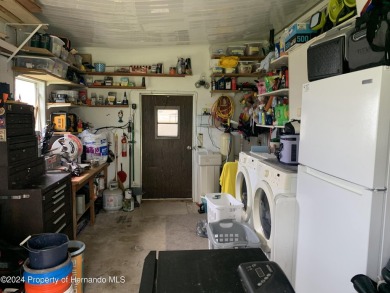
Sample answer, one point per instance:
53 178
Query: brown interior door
166 146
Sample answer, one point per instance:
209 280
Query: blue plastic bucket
46 250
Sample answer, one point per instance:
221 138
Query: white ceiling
145 23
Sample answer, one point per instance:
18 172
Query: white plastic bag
96 146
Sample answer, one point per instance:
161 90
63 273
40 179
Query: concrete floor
119 241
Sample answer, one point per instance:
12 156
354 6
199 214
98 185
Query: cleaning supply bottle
125 101
234 83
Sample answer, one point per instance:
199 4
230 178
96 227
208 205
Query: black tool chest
31 200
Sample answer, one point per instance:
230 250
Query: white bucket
80 204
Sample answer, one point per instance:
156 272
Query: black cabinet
31 200
20 164
44 207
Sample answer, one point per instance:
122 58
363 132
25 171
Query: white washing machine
274 210
246 181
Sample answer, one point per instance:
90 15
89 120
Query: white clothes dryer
274 212
246 181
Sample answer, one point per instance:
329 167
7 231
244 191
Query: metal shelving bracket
39 26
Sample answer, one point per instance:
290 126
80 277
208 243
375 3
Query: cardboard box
299 33
86 58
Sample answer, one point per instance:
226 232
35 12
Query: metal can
128 202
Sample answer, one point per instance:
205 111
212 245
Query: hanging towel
227 180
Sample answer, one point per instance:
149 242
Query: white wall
100 117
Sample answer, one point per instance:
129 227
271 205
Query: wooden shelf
70 105
109 106
225 91
281 92
254 75
47 53
37 51
116 87
43 75
134 74
242 58
60 105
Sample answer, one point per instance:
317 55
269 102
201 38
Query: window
167 122
30 91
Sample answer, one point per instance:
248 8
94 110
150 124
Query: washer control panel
263 276
280 182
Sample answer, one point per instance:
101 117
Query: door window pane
167 122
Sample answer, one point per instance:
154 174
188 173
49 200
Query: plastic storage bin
60 68
222 206
235 50
231 234
245 66
56 45
35 62
254 49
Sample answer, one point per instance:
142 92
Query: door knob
189 147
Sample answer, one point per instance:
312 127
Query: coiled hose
223 109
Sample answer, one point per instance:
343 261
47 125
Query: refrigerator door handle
353 187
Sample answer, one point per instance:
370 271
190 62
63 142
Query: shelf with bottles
135 74
116 87
227 84
183 68
242 58
272 111
254 75
71 105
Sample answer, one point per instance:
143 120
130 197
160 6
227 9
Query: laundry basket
222 206
229 233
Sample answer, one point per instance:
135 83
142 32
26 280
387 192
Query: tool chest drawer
57 205
18 150
59 222
60 192
18 120
22 175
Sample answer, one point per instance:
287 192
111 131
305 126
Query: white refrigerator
343 177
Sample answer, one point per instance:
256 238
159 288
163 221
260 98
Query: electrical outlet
299 112
200 140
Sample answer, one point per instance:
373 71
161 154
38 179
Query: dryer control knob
266 173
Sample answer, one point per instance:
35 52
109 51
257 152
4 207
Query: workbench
87 177
194 271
